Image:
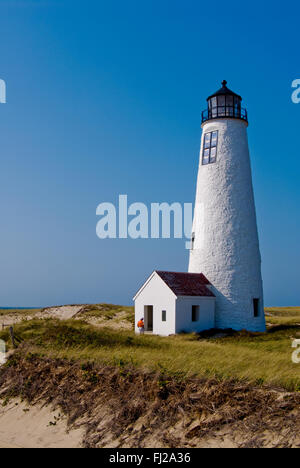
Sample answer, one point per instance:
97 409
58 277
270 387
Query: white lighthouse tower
225 245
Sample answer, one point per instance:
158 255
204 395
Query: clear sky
105 98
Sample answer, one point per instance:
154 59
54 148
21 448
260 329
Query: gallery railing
223 112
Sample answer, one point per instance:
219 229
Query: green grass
20 312
107 312
259 358
283 315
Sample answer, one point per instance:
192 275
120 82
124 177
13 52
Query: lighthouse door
148 318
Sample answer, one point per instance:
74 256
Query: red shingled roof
186 284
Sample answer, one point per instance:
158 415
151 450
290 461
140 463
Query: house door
148 316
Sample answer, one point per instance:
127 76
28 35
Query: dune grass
108 312
283 315
259 358
19 312
283 311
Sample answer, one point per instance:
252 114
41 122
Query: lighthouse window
229 100
213 154
221 100
221 106
229 105
256 307
210 148
207 140
214 138
237 107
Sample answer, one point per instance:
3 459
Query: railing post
11 332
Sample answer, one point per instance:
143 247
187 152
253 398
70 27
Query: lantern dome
224 103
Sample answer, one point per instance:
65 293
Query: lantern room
224 104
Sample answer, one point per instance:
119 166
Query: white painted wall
158 294
184 314
178 309
226 247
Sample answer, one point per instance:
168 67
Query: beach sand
24 426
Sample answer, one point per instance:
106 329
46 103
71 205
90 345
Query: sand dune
62 312
24 426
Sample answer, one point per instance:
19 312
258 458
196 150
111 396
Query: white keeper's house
223 285
172 302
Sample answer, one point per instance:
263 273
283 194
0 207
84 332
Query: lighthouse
223 287
225 245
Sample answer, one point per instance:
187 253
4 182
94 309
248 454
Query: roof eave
148 280
143 285
210 296
219 93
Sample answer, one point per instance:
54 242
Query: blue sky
105 98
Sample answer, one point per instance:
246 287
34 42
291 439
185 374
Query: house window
256 307
195 313
210 148
163 315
